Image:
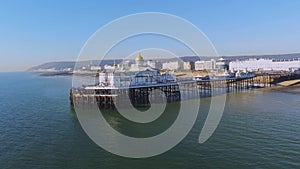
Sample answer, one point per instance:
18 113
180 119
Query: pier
141 95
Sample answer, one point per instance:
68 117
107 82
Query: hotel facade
265 65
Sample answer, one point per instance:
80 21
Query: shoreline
295 89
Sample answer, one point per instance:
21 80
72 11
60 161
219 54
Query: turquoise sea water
38 129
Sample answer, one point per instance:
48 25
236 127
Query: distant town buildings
215 65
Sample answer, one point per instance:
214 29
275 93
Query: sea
39 129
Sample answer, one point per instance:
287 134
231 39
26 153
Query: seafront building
154 64
175 65
188 66
205 65
95 68
222 64
110 67
265 65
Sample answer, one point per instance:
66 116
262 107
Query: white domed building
139 63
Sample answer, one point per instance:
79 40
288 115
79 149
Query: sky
35 32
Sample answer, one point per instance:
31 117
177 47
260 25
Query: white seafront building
175 65
205 65
154 64
265 65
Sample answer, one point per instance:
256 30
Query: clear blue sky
34 32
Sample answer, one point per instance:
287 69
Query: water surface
259 129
